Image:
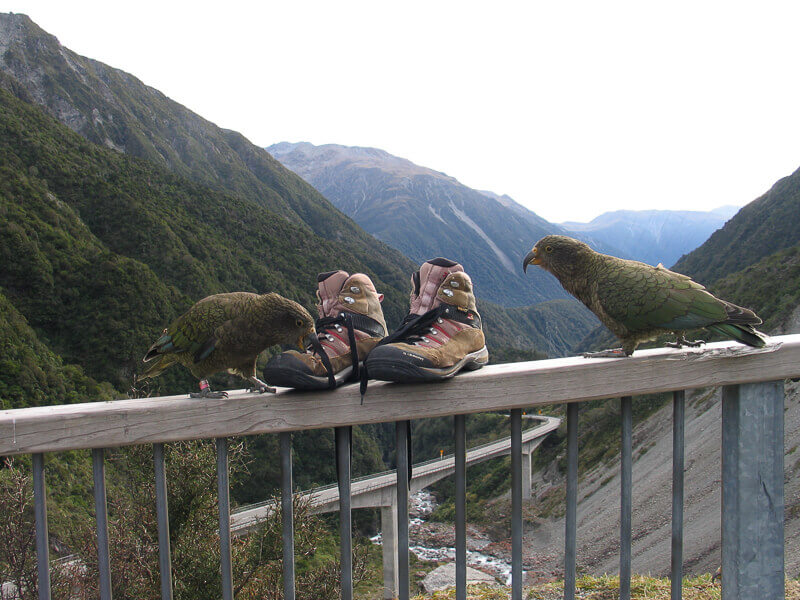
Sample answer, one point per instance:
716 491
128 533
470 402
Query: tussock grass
607 588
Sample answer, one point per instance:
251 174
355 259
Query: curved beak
530 259
306 340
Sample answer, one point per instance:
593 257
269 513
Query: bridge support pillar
526 476
389 535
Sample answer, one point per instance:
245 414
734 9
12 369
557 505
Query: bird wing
196 332
642 297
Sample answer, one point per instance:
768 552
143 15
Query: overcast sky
571 108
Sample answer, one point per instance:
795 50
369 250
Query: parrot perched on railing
227 332
638 302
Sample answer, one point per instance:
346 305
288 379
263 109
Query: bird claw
610 353
262 389
682 341
208 394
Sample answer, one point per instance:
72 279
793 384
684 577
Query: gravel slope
598 501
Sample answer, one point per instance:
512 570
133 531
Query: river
422 505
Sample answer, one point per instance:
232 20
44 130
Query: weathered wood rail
752 447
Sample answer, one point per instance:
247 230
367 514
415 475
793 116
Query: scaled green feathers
227 332
636 301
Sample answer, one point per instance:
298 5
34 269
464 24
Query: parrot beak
305 341
530 259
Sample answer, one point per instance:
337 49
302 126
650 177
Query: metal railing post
101 515
571 521
223 494
461 506
162 513
625 500
516 504
678 424
402 429
752 491
287 515
343 441
42 539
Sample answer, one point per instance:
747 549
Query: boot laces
322 326
412 329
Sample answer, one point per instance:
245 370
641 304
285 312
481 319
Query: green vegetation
760 229
134 538
606 587
772 285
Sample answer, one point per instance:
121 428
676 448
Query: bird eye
548 248
299 322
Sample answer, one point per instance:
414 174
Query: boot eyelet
454 283
439 320
355 289
330 337
339 328
349 300
434 332
445 291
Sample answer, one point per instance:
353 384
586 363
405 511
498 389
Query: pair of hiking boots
441 334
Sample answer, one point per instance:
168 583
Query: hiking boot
351 323
442 333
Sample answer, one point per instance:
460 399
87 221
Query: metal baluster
287 515
101 515
223 494
570 534
625 500
461 506
162 511
516 504
401 435
342 435
678 420
753 491
40 513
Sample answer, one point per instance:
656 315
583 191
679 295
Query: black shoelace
344 320
411 330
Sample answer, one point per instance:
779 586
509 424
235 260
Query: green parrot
638 302
227 332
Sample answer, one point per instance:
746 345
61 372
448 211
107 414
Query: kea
636 301
227 332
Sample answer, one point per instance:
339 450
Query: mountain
425 213
754 260
765 226
99 250
653 236
115 109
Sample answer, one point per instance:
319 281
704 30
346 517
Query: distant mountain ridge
425 213
653 236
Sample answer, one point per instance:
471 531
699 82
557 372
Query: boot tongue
329 286
431 275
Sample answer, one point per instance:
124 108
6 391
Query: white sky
572 108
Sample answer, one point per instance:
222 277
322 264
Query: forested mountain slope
763 227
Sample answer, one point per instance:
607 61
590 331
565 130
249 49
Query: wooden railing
752 469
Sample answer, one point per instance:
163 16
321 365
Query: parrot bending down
638 302
227 332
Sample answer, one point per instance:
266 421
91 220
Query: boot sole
402 371
305 381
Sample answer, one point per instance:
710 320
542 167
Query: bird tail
744 333
158 366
